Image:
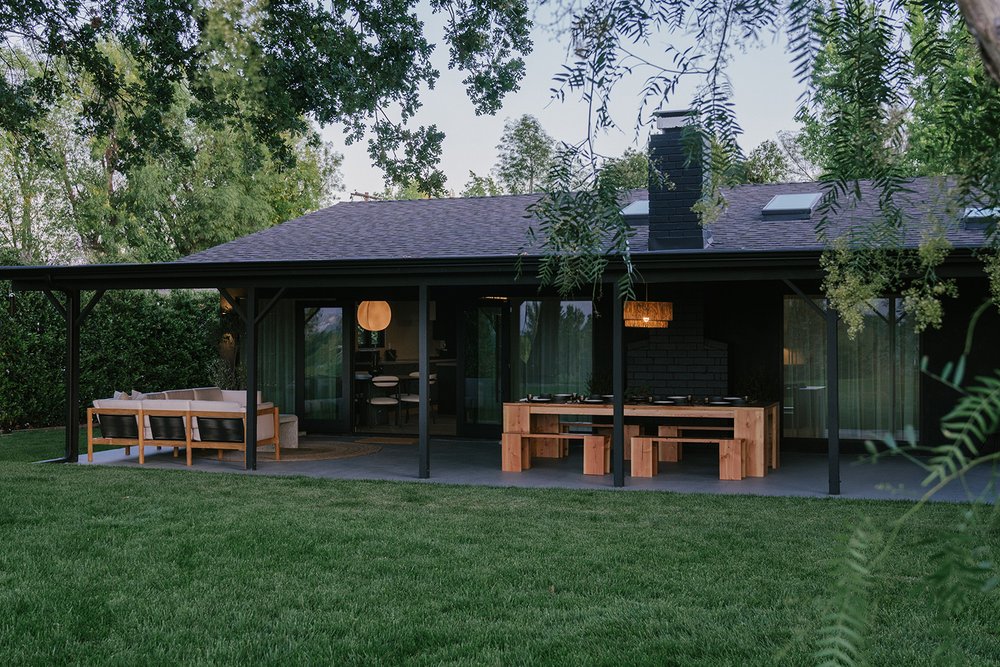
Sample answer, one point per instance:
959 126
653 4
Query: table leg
644 457
670 452
748 426
596 455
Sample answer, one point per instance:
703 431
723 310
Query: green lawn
137 566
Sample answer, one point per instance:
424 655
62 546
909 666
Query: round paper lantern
374 315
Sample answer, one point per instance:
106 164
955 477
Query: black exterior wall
942 345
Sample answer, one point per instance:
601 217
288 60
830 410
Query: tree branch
983 19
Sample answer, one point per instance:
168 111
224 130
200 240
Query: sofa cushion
180 394
119 404
208 394
215 406
237 395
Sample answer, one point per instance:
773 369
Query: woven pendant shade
648 314
374 315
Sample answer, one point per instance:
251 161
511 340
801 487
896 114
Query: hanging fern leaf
841 640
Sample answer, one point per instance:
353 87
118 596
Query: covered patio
477 463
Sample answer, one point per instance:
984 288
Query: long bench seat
516 450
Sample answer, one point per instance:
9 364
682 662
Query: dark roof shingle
498 227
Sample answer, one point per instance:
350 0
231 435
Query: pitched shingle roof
498 227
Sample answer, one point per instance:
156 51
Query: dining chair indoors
385 394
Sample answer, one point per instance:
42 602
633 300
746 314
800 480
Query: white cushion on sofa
207 394
237 396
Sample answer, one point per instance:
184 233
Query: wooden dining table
756 424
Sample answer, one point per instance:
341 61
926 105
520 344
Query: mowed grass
141 566
41 444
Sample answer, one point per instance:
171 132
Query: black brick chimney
674 155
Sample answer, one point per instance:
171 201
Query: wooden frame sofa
179 419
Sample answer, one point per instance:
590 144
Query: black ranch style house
465 335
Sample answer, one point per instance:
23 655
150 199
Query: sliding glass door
482 355
323 405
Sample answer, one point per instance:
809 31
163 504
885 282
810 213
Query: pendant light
648 314
374 315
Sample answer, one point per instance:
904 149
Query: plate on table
538 399
665 402
593 400
719 403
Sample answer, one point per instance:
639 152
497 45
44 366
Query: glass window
553 350
879 372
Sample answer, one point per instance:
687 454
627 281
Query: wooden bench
673 452
631 430
732 461
516 450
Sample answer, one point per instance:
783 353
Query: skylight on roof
791 206
980 218
636 208
980 213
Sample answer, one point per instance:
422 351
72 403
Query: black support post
250 363
423 387
72 376
833 400
618 384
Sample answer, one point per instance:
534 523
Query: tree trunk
983 19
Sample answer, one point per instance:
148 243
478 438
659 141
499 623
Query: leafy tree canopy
481 186
263 66
524 155
76 195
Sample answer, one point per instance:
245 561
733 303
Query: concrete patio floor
477 462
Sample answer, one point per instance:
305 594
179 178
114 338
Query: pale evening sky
765 96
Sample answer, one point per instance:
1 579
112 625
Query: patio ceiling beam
269 305
618 388
90 305
60 308
424 386
812 304
233 303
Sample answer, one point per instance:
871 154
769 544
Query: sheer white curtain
879 372
554 347
276 356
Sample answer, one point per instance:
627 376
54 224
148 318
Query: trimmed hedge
149 341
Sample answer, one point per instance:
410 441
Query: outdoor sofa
205 417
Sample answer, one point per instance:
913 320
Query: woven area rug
376 440
316 451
